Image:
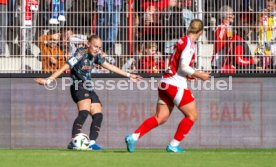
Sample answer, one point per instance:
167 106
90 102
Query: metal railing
245 44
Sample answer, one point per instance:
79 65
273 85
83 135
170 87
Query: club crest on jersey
72 61
180 41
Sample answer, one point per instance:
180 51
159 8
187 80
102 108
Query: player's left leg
188 107
97 118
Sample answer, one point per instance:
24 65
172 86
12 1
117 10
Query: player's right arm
42 81
72 61
187 69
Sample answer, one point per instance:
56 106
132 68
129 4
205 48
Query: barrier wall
34 117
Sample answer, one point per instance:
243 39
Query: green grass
141 158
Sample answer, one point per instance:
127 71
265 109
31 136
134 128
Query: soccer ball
81 141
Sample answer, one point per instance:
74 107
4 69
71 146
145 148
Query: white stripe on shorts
178 97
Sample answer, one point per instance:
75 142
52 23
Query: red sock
146 126
183 129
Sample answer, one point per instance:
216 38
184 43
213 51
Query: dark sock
95 126
79 121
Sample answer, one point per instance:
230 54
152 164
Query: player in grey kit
84 96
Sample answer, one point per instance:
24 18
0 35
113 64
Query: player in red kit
173 91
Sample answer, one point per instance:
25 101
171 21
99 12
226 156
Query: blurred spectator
151 60
80 15
108 22
3 26
213 17
267 36
71 41
241 56
173 26
52 56
99 69
149 22
129 64
187 13
223 36
159 4
172 21
253 5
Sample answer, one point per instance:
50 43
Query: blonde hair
92 37
195 26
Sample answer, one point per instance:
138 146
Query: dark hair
242 29
92 37
53 31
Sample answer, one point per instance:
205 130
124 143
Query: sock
92 142
183 129
146 126
95 126
174 143
79 121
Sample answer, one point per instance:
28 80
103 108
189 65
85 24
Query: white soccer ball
81 141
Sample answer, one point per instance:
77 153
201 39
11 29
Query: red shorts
172 95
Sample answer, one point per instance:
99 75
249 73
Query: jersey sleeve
99 60
184 53
77 56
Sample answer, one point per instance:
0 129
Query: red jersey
4 2
220 39
148 64
241 51
160 5
185 51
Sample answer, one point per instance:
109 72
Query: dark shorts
81 94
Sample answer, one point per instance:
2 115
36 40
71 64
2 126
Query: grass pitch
140 158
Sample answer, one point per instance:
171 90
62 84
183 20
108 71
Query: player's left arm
120 72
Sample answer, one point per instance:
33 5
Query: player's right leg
163 111
185 125
83 103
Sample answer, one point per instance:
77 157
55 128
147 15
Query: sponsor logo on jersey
86 67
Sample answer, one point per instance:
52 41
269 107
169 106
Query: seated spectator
52 56
223 36
241 56
151 60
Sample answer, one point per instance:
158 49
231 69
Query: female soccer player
86 99
173 91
